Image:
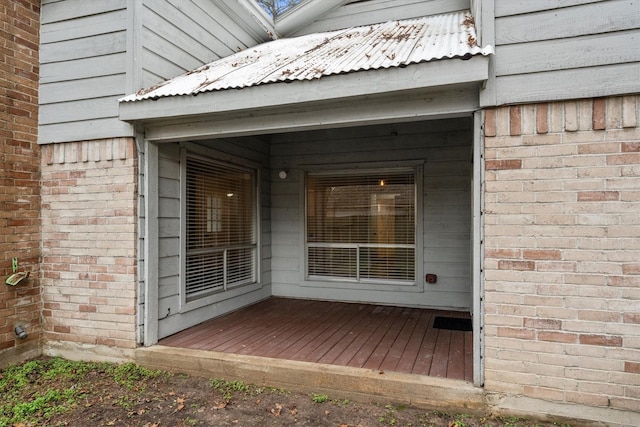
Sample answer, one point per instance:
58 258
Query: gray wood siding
445 147
94 52
82 70
551 50
172 319
375 11
178 36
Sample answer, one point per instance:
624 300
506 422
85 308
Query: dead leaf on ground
180 401
277 410
217 405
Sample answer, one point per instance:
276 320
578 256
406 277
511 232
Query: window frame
228 161
414 166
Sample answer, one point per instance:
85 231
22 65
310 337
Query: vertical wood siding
172 319
376 11
82 70
550 50
445 146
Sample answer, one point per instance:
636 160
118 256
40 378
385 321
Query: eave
433 89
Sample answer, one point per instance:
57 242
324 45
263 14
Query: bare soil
103 395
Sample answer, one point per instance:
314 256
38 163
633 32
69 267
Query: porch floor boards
347 334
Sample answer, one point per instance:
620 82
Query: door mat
452 323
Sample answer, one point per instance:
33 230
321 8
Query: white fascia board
331 88
250 16
437 103
304 14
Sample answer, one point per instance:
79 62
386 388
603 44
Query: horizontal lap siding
376 11
83 70
445 146
95 52
169 232
562 50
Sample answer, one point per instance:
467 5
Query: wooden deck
358 335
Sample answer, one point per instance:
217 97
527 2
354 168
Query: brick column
89 237
562 234
19 177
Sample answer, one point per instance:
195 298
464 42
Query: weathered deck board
360 335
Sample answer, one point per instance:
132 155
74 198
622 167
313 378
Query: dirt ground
55 392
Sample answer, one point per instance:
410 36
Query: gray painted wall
550 50
445 148
172 314
178 36
83 63
94 52
375 11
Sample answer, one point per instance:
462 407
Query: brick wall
562 234
19 175
89 242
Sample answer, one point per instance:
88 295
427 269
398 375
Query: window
220 227
361 226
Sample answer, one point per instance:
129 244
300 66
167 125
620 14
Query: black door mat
452 323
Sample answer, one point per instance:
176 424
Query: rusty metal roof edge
377 46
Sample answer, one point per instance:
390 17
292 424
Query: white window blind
220 227
361 227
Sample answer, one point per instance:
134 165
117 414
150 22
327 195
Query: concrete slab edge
577 415
18 354
337 382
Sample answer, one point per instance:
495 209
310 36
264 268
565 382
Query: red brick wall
19 168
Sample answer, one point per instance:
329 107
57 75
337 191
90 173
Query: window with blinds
221 249
361 227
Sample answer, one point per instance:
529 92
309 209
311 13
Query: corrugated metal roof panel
390 44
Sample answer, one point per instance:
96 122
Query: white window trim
240 163
348 169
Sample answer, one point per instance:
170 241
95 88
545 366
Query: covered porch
322 222
373 337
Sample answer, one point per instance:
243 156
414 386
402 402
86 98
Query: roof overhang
436 89
361 74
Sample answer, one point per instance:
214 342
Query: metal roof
370 47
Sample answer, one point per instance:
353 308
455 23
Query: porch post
477 261
151 244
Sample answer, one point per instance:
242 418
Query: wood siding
94 52
173 314
178 36
83 56
445 148
552 50
375 11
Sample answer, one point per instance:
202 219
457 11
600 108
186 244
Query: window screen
220 227
361 227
